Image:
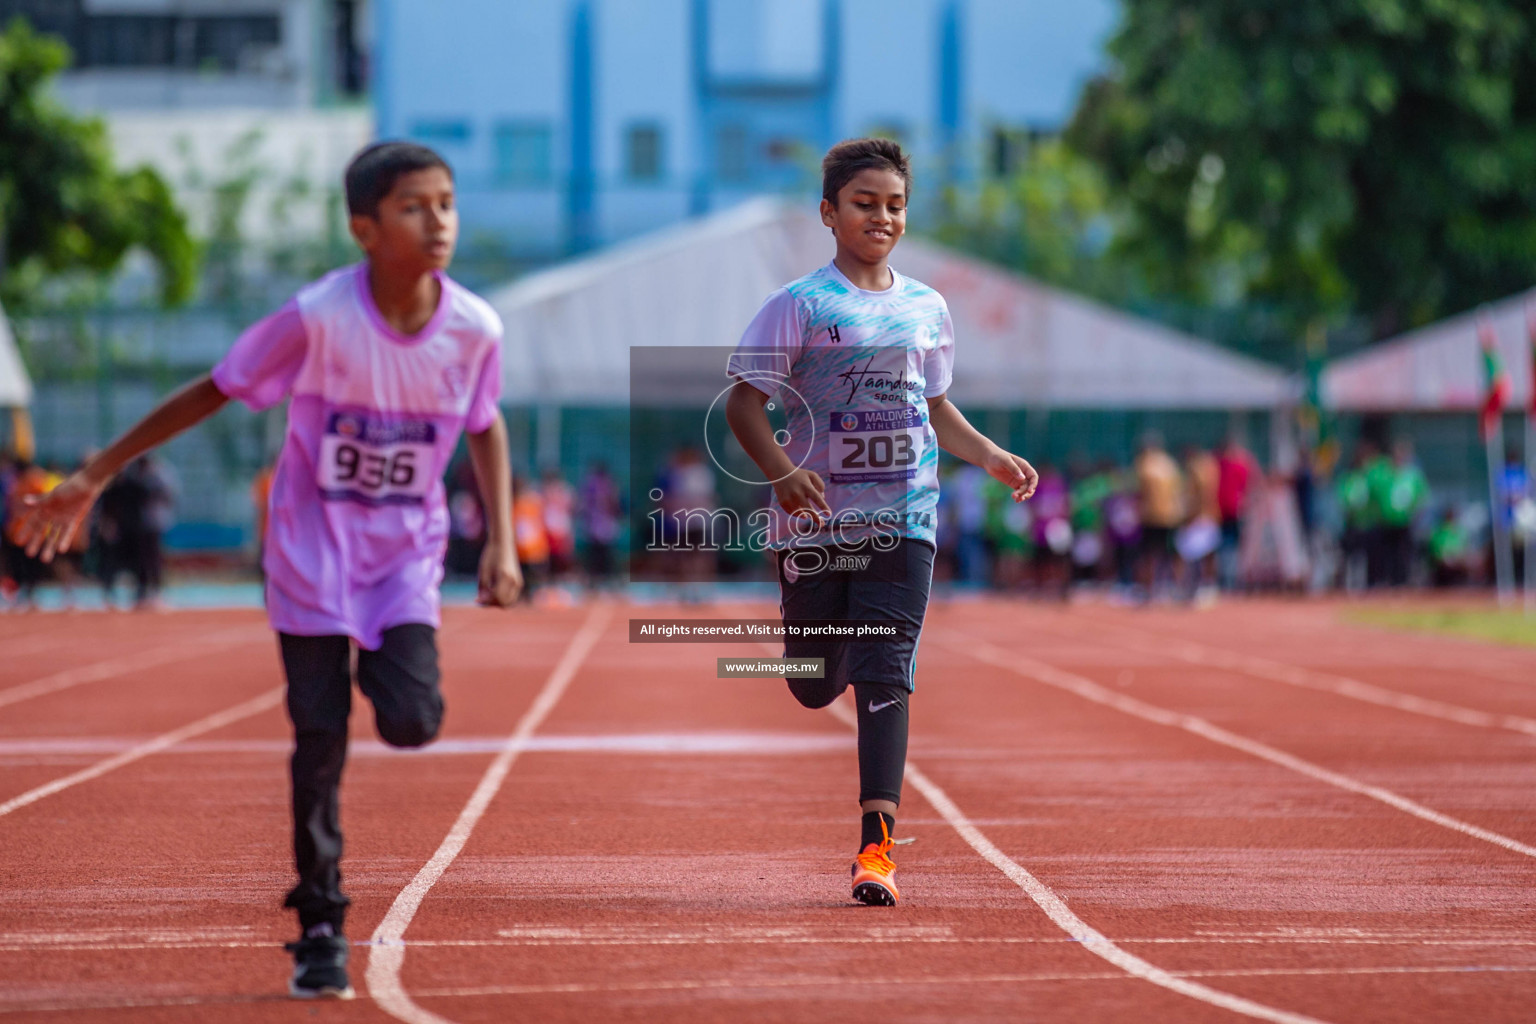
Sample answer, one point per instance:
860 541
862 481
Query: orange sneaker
874 872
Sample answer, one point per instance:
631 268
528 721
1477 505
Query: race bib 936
376 461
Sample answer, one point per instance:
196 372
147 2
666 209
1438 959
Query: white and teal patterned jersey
855 370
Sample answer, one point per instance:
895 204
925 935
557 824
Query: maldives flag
1495 376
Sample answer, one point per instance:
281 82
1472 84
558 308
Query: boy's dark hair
846 159
374 171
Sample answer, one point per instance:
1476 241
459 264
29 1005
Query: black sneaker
319 968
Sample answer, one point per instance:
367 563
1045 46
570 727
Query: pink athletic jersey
357 522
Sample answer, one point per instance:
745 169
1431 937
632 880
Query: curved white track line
1325 682
256 705
387 953
153 658
1091 938
1075 684
1056 909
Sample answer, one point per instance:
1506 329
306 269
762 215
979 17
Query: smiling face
417 225
870 215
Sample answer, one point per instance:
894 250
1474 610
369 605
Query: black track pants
401 680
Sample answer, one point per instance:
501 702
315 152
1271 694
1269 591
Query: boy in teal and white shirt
862 358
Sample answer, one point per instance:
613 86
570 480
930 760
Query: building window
643 157
1007 152
441 131
232 43
220 43
524 153
731 163
779 41
788 150
349 58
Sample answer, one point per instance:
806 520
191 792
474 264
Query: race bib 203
875 445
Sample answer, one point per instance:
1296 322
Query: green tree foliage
1052 219
63 206
1374 157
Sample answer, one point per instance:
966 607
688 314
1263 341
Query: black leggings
862 583
883 711
401 679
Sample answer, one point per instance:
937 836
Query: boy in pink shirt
386 362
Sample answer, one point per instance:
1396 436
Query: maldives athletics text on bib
875 445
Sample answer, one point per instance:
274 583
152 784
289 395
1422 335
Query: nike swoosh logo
873 707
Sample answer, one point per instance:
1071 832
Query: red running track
1256 812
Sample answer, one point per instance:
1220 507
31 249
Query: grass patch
1496 625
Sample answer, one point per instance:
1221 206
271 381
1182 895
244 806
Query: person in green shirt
1086 495
1379 474
1355 500
1449 551
1403 492
1007 530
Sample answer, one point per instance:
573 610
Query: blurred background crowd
1296 242
124 537
1168 525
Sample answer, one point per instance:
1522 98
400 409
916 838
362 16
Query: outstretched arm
960 439
501 578
51 522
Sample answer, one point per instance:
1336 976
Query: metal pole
547 438
1528 548
105 421
1503 557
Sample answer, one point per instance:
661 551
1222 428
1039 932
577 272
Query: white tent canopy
15 386
1018 343
1439 367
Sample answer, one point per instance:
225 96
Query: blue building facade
576 123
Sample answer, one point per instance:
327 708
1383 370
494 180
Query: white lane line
1056 909
34 643
790 982
71 626
842 981
40 751
387 954
88 945
218 720
780 982
1326 682
1089 690
130 1003
1408 649
182 650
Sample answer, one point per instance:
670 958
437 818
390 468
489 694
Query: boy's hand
1012 471
50 523
803 492
501 577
